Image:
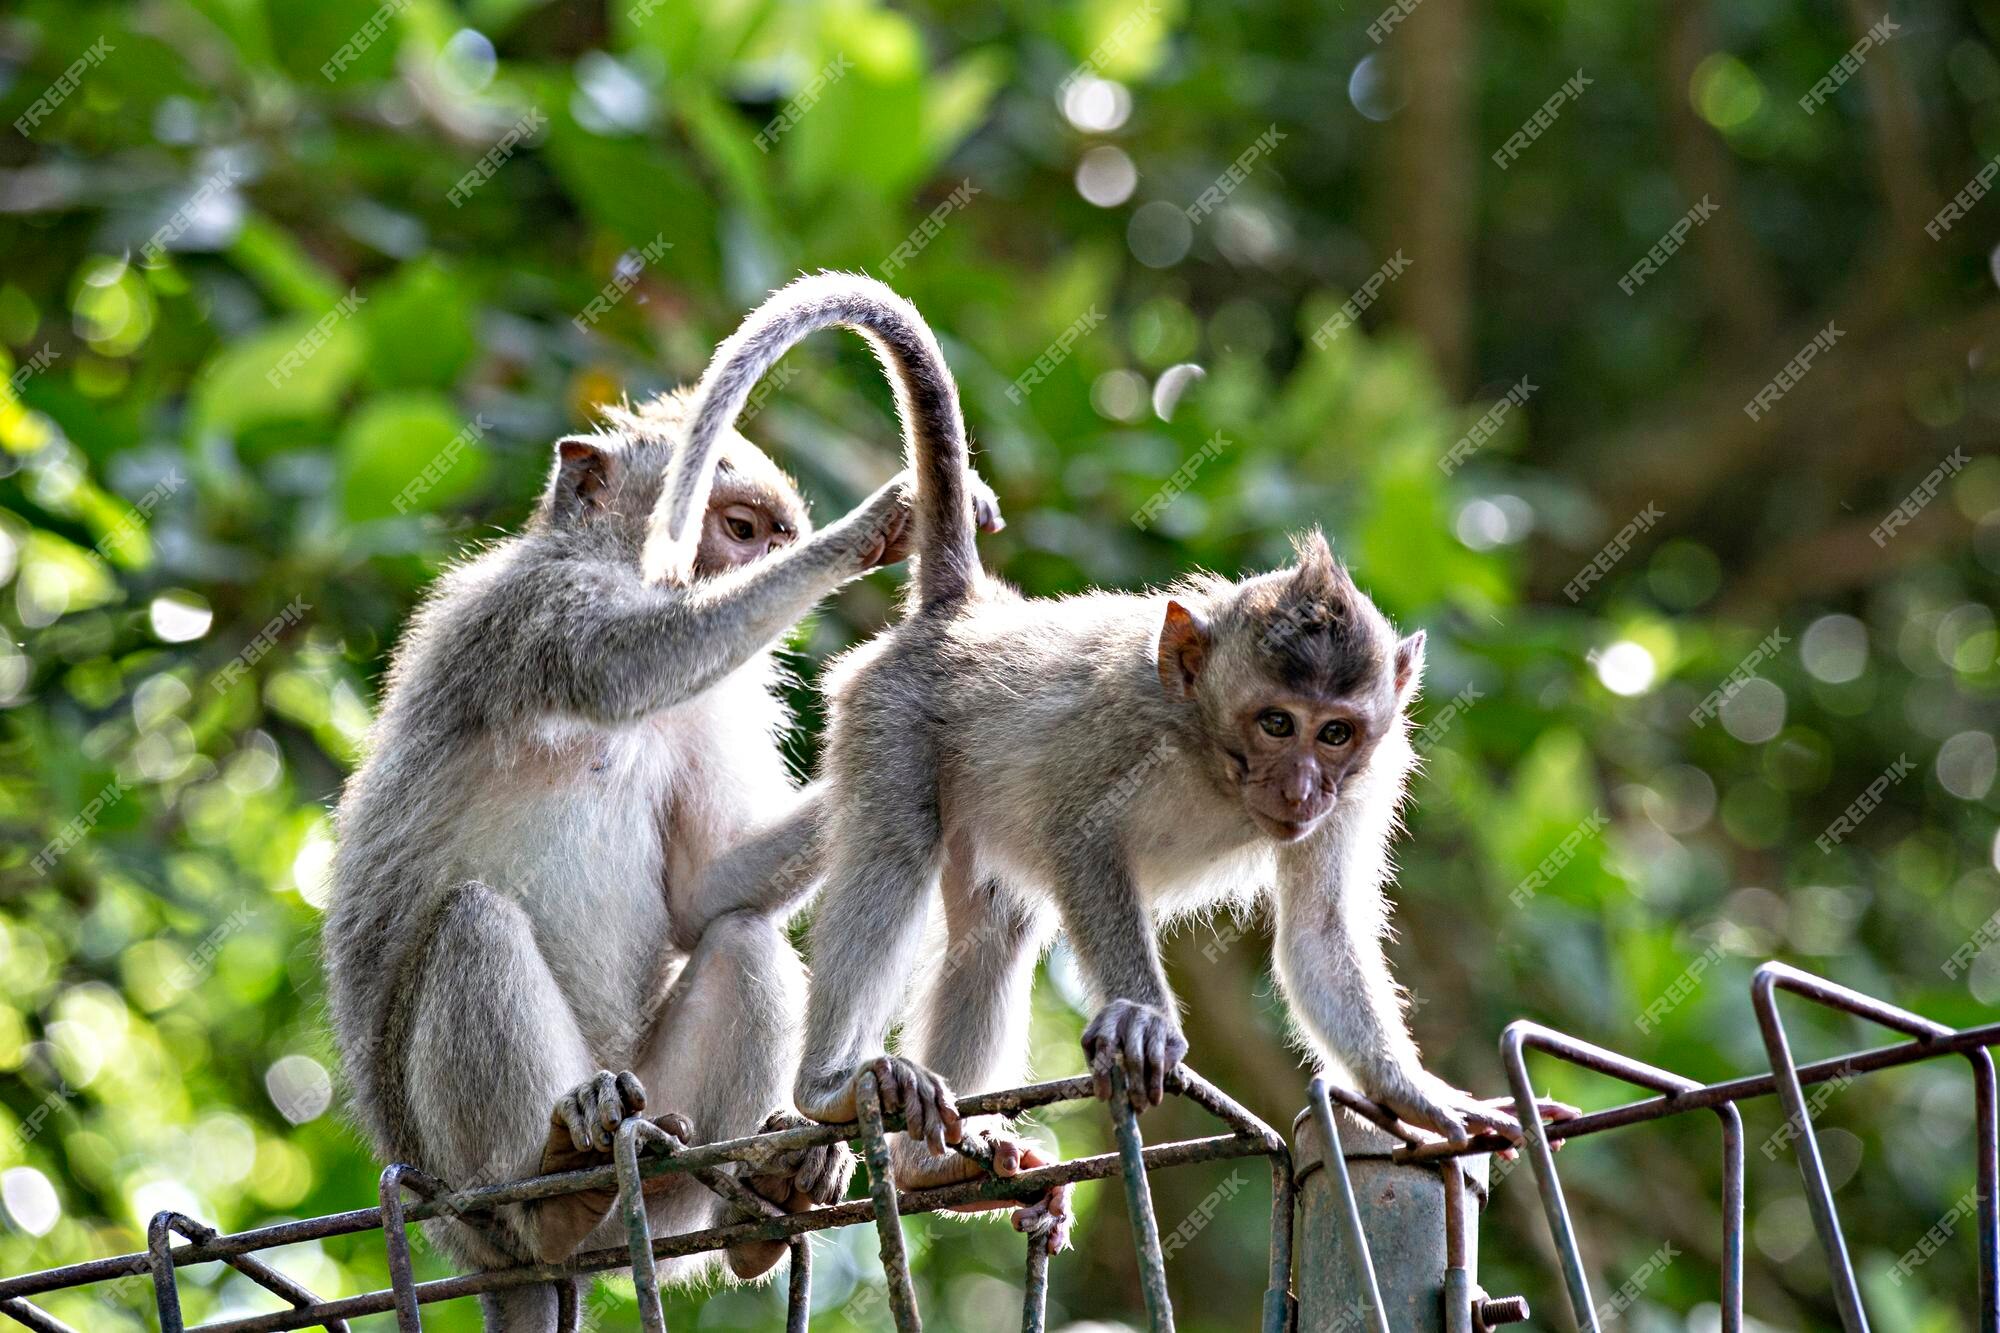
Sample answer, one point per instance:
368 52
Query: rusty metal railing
1678 1096
643 1150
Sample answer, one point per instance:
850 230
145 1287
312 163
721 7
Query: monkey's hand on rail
1443 1109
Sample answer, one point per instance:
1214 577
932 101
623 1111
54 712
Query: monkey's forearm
659 647
1112 935
1331 964
771 872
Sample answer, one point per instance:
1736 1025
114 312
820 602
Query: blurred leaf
405 447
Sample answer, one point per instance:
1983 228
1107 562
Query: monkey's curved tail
926 400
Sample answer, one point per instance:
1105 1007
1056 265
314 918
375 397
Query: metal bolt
1494 1311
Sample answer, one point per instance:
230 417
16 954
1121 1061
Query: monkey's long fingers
1140 1053
631 1091
608 1107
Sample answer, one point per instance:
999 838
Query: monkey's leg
493 1046
722 1054
522 1309
971 1028
884 855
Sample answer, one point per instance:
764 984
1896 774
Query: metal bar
638 1228
1024 1188
166 1292
1542 1157
1281 1308
1350 1209
1457 1252
1764 988
1986 1128
888 1221
1035 1288
1732 1217
1139 1203
396 1240
757 1149
569 1308
799 1286
1598 1059
29 1317
1715 1094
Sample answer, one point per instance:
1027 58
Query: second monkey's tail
926 400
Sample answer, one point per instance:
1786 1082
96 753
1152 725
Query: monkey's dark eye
1275 722
740 528
1336 733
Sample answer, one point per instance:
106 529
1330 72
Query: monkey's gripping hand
1431 1103
877 531
1141 1042
929 1111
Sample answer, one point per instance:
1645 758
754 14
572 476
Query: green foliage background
164 500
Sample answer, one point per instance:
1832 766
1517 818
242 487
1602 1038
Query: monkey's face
741 526
1291 752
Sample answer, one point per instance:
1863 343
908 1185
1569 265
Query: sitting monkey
564 868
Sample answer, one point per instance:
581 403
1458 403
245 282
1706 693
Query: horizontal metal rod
1711 1095
1026 1186
755 1149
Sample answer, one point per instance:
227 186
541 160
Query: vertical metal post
396 1240
166 1294
799 1286
1280 1306
1139 1202
1542 1157
1035 1297
1732 1217
1347 1207
1986 1134
638 1227
888 1221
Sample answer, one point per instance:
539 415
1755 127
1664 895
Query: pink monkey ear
1183 649
1409 665
583 470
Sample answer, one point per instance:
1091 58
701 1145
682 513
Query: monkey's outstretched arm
771 872
1331 917
615 652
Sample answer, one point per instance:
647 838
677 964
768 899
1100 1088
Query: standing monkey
564 868
1108 760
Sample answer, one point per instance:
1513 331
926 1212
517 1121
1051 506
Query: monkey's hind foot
803 1178
582 1127
798 1181
1139 1041
995 1154
929 1111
